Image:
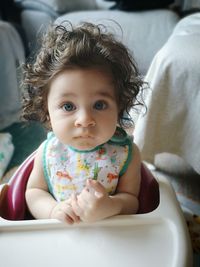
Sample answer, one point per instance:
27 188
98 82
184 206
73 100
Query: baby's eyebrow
105 94
71 94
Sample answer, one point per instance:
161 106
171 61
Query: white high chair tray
156 239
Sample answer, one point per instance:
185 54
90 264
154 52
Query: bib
66 169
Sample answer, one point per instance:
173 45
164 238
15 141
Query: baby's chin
82 146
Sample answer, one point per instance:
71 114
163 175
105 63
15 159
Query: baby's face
83 108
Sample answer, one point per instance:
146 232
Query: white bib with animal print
67 169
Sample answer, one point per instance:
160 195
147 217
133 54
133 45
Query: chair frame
12 197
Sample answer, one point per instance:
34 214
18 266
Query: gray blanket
11 55
172 122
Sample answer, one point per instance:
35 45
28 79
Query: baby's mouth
84 137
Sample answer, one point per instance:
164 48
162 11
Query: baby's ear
48 122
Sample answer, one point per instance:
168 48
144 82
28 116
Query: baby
80 85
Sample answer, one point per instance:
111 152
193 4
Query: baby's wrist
116 205
51 216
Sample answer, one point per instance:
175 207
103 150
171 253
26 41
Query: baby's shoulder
39 151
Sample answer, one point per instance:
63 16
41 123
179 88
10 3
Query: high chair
156 236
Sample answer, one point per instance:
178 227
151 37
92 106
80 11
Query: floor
26 138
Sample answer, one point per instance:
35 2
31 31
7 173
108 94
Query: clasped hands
91 205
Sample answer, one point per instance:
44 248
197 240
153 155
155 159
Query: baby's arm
129 185
95 204
40 202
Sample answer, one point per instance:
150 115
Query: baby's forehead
91 81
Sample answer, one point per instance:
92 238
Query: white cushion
144 33
63 5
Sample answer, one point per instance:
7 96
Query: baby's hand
93 203
63 212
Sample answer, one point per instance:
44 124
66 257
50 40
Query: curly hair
84 46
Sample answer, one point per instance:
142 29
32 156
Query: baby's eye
100 105
68 106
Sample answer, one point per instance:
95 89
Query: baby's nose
85 119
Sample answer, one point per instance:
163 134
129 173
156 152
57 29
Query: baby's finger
70 214
75 206
68 219
73 216
98 189
63 217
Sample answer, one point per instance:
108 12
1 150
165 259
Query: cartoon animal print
60 189
113 157
101 153
63 175
111 176
82 166
96 171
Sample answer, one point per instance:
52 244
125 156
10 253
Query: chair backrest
12 197
12 201
149 196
